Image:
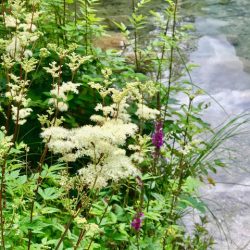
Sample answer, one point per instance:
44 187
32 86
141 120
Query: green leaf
50 210
120 237
193 202
49 193
192 184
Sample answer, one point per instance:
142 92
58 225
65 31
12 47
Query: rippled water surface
223 53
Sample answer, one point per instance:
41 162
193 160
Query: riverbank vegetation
100 148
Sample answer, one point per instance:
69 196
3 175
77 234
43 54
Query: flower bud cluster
8 62
5 144
17 95
76 61
24 30
54 70
59 94
146 113
141 148
29 65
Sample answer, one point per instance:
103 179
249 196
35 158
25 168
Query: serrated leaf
49 193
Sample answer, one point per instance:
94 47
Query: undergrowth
97 151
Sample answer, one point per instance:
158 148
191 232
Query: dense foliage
96 150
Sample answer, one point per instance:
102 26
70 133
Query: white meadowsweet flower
11 21
32 17
15 78
29 65
61 146
34 36
76 61
61 52
70 157
73 47
17 7
96 86
98 119
70 87
92 229
52 46
44 53
7 61
101 143
149 87
5 144
146 113
14 47
59 94
54 70
62 106
27 27
28 53
137 157
98 107
107 72
58 133
20 115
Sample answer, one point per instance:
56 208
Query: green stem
171 63
75 11
137 240
137 66
104 213
181 170
86 26
66 229
159 71
39 181
1 206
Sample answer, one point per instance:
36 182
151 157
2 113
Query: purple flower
137 221
158 135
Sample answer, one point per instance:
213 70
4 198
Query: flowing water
223 53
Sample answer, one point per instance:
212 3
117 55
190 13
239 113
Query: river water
222 49
223 53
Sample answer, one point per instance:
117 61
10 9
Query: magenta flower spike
158 135
137 222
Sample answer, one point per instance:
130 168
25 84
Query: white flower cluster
150 88
59 94
190 147
16 47
17 94
44 53
92 229
115 110
63 52
29 65
5 144
146 113
20 115
25 30
76 61
54 70
139 92
22 34
8 62
101 145
141 148
135 91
